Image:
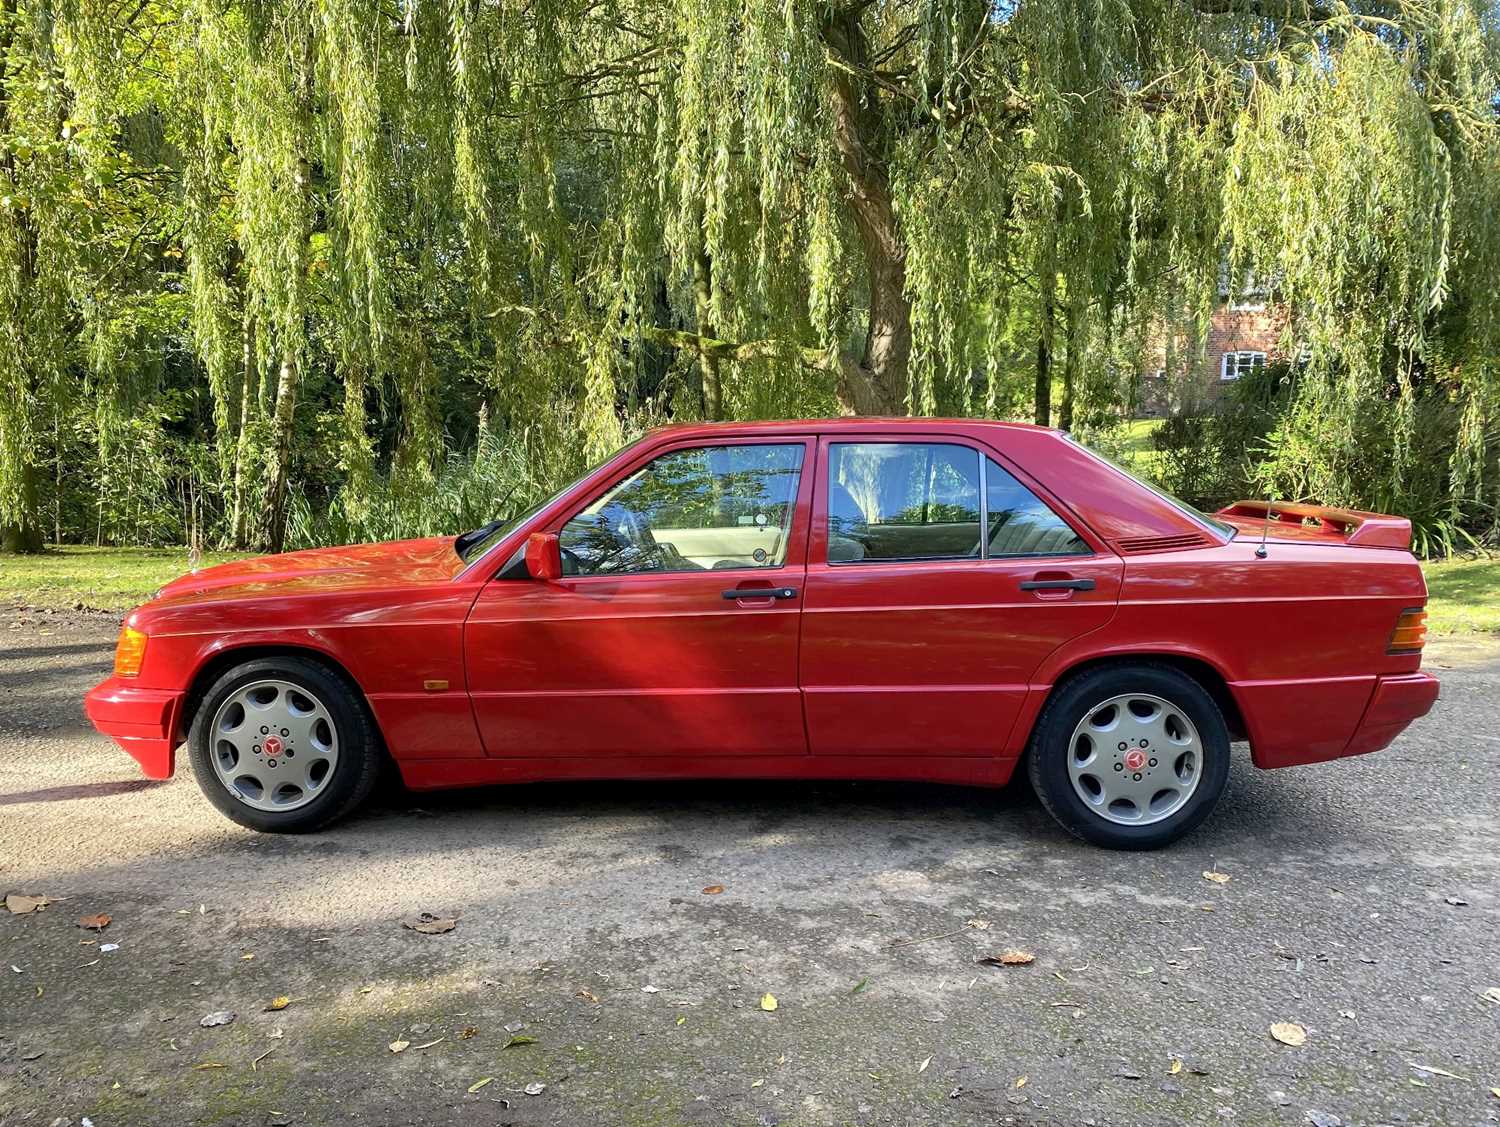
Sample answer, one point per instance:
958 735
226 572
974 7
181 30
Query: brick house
1185 373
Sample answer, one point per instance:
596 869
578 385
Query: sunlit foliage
289 264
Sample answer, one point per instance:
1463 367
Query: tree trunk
283 413
1072 364
878 383
249 404
23 531
1044 359
708 363
281 449
25 535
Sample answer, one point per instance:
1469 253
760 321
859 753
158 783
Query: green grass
1464 596
1465 593
113 579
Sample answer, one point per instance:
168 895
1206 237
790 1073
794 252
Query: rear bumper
1297 722
1395 703
142 721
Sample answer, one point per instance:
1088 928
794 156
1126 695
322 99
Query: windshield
473 545
1181 506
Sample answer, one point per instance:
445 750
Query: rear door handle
1057 584
761 593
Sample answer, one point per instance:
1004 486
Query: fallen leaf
757 1083
94 923
218 1017
1495 1092
587 996
1217 878
21 904
260 1058
768 1002
206 1065
478 1084
535 1088
713 890
399 1046
1009 958
650 989
1431 1071
247 956
1021 1082
1289 1033
108 947
1455 901
682 1019
280 1003
519 1039
921 1068
1176 1067
467 1032
1492 994
1418 1083
428 924
860 985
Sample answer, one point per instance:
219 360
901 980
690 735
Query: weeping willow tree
353 231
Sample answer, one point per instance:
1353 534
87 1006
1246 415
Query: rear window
1198 515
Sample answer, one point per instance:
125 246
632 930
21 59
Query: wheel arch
1204 672
216 663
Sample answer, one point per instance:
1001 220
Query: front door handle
761 593
1057 585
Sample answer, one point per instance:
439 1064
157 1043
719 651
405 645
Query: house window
1233 365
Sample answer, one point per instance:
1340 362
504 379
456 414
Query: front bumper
142 721
1394 704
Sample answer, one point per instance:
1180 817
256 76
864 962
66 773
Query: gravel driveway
594 978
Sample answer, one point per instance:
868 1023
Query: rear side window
903 501
895 501
1020 523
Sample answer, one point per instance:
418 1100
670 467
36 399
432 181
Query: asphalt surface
1363 904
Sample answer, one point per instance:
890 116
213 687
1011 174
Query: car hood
390 564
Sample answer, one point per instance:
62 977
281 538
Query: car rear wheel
1130 756
284 745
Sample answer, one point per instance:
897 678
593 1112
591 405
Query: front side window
902 501
698 509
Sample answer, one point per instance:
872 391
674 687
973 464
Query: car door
673 630
938 579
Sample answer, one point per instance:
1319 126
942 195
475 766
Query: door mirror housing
543 557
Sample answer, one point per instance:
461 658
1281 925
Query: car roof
861 423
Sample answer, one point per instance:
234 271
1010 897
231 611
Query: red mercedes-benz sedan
920 599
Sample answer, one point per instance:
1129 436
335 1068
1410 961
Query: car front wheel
1130 756
283 745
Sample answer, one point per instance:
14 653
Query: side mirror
543 557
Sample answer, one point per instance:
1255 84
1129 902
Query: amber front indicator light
130 651
1410 632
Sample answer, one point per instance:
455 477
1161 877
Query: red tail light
1410 633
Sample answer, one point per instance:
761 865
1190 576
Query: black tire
360 754
1047 755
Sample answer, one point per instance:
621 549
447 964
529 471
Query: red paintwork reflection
927 670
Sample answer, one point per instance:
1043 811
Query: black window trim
985 457
806 445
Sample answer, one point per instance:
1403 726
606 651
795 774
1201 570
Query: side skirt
434 774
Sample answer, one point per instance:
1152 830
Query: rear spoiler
1365 530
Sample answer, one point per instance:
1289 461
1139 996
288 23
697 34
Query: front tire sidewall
1048 754
358 762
